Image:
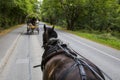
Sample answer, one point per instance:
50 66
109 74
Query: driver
33 21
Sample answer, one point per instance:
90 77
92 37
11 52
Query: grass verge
103 38
5 31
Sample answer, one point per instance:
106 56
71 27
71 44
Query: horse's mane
54 47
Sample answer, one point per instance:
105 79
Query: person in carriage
31 24
33 21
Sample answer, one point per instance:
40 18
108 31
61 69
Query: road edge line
5 59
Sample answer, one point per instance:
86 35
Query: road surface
20 52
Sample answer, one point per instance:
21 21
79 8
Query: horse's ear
44 27
53 27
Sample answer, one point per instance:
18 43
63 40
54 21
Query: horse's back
61 67
55 67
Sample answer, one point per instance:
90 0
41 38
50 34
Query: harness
56 47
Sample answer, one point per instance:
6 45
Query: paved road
25 51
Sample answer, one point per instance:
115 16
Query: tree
99 15
72 9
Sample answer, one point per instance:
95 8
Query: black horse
59 62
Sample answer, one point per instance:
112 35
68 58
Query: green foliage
50 11
99 15
14 11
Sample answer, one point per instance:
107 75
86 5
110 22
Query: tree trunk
70 25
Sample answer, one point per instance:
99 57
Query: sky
40 0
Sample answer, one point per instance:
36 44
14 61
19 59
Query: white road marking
4 60
94 48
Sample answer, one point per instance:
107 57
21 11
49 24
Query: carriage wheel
32 30
27 30
38 30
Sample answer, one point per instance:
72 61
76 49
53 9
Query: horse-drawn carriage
32 24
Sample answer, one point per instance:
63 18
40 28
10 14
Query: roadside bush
116 34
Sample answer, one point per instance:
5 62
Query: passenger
33 21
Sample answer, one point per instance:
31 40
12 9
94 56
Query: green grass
103 38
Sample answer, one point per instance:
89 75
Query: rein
83 63
90 66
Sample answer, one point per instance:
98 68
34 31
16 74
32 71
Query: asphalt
7 44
